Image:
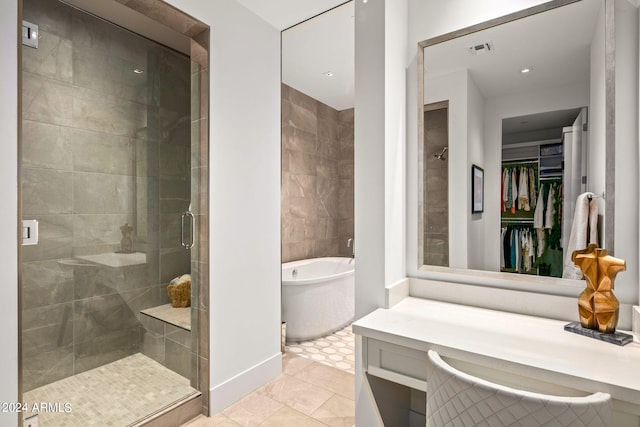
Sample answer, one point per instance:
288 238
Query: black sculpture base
617 338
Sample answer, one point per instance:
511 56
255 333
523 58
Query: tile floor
335 350
307 393
116 394
315 389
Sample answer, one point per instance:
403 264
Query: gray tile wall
101 146
167 344
436 184
199 356
317 178
346 185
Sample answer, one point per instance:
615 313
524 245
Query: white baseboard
225 394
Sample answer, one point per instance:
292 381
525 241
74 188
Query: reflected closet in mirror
543 171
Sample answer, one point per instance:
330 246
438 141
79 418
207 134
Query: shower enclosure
111 167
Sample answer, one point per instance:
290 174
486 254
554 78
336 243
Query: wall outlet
30 34
31 421
29 232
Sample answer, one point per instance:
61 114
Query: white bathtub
317 296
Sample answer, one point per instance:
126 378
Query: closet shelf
519 215
517 220
519 162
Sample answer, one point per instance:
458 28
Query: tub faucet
352 246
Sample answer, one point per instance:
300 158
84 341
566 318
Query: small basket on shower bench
179 291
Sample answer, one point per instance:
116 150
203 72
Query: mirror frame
546 285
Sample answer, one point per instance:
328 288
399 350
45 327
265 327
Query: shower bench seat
167 337
177 316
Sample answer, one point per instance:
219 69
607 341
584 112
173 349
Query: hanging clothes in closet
518 189
547 215
547 223
538 221
518 248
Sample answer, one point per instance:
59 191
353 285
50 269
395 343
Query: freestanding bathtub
317 296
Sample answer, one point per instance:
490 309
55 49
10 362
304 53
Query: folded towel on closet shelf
583 231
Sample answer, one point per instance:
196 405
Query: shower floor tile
335 350
117 394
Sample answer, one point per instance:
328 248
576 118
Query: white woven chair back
457 399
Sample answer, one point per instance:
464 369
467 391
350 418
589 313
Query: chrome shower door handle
182 230
193 230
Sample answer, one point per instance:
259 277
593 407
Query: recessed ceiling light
364 1
327 74
138 71
526 70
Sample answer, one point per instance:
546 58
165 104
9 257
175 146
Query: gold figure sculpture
597 305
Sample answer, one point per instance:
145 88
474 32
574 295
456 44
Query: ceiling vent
478 49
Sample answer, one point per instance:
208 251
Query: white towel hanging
583 231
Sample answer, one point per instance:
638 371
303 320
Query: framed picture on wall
477 189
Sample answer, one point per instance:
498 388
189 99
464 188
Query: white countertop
526 345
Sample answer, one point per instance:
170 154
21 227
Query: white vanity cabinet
516 350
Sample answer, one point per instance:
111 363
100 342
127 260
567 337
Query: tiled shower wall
101 146
317 178
436 184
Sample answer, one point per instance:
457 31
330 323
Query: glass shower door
106 171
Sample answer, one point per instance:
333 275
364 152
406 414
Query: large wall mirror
525 98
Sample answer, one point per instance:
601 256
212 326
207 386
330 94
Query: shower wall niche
106 123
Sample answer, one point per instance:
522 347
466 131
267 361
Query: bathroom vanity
520 351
